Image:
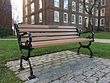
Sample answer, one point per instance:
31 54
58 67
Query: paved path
102 40
64 67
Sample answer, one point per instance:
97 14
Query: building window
73 19
87 1
96 12
102 22
32 7
87 7
26 10
56 16
86 21
92 1
80 19
73 6
65 4
26 20
40 17
96 22
40 4
65 17
103 2
25 2
56 3
80 8
32 19
93 11
103 12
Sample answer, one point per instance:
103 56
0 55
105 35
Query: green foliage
4 32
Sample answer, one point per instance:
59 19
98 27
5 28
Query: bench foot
32 77
85 46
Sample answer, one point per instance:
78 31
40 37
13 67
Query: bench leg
21 65
32 76
78 50
22 68
85 46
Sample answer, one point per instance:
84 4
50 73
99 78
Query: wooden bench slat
35 39
26 26
47 30
53 34
58 42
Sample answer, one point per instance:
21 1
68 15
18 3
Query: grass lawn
105 35
9 50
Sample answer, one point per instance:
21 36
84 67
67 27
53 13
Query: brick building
5 14
63 12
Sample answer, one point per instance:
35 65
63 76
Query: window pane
56 3
32 7
80 19
40 4
26 12
96 22
73 6
65 18
65 4
102 22
73 19
32 19
80 8
26 20
103 2
25 2
56 16
103 12
86 21
40 17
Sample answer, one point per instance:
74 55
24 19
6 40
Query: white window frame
86 21
65 20
96 12
96 22
32 19
26 20
40 4
101 22
102 2
73 19
40 17
56 3
26 2
73 6
32 7
80 19
80 8
26 10
56 16
65 4
103 12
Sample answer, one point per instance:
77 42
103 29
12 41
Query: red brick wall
5 14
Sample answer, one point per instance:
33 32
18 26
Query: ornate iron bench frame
28 46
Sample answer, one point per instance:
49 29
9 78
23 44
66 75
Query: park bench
38 36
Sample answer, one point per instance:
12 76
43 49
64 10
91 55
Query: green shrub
4 32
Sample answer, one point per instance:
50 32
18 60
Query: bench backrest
48 32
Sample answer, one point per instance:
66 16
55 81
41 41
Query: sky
17 12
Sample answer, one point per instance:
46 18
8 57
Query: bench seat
58 42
